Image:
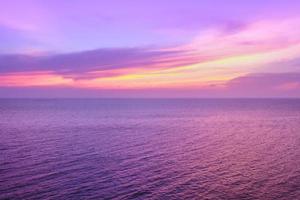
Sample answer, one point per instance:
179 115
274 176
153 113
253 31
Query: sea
150 149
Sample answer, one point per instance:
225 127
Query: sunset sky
149 48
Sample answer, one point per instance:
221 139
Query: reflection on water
149 149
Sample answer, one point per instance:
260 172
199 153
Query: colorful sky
149 48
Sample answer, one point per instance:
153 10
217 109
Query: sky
150 48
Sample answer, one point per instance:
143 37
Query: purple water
150 149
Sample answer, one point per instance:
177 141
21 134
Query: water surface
150 149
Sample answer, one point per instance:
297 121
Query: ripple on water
150 149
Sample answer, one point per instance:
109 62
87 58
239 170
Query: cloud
79 63
266 84
218 55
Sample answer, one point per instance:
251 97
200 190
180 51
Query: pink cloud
264 85
214 57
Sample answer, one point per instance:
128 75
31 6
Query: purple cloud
80 63
268 85
265 85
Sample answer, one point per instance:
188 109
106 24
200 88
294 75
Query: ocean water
150 149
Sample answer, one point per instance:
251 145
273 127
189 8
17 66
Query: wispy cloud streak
211 61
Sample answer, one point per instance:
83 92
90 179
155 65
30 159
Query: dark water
150 149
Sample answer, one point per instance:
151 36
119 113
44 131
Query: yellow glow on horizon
216 71
201 74
216 57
